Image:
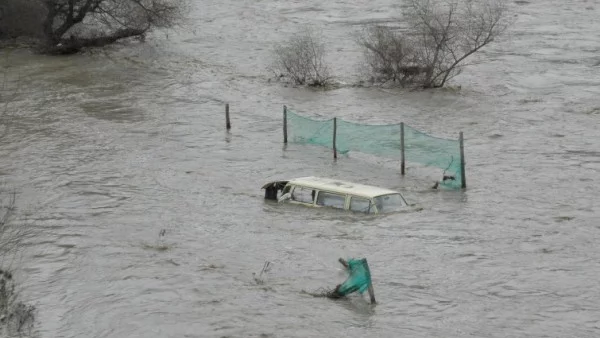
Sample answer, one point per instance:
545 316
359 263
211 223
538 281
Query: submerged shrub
433 41
15 316
301 60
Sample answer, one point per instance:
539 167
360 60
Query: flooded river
110 149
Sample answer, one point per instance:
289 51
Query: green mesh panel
359 279
309 131
435 152
380 140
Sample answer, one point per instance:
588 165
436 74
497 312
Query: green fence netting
308 131
380 140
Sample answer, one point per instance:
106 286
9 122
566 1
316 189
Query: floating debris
258 279
563 218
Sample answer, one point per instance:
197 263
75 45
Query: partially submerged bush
389 56
436 38
301 60
15 316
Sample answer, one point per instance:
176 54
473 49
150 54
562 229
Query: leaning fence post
227 121
402 163
372 293
462 161
370 289
334 137
284 124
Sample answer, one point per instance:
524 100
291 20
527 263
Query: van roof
344 187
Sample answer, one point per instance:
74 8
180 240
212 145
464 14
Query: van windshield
389 203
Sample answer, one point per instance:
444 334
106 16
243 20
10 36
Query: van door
272 189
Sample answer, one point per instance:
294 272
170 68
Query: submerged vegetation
301 60
159 245
434 41
16 317
429 45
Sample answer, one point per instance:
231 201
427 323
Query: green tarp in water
359 279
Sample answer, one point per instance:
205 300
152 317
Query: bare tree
73 24
438 37
66 26
301 59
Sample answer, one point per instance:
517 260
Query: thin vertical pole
372 293
370 289
284 124
462 161
334 137
402 163
227 121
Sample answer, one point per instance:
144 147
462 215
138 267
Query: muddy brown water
108 149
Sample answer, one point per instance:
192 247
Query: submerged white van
334 193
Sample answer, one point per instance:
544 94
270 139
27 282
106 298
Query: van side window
328 199
359 204
302 194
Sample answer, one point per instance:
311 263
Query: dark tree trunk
69 14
